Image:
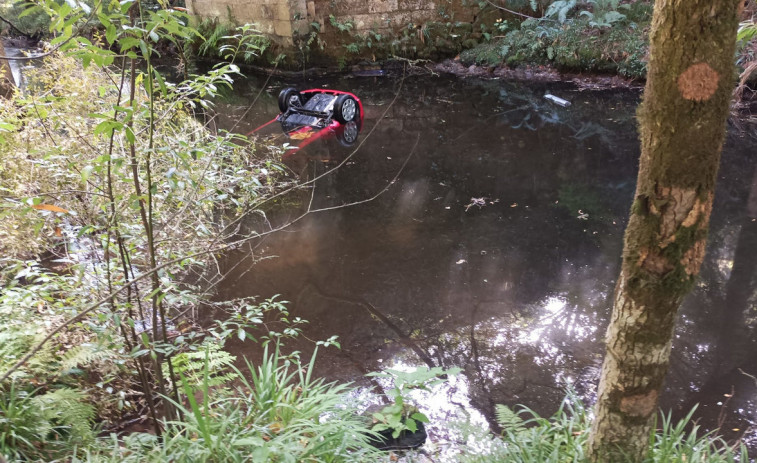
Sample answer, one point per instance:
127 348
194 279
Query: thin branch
511 11
747 374
56 48
14 27
156 269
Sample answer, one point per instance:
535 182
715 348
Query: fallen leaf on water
49 207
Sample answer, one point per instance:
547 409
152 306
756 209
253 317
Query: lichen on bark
682 128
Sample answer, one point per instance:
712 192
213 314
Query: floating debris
557 100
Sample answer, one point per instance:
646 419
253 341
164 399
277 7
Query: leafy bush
280 414
218 39
570 46
562 438
573 39
43 426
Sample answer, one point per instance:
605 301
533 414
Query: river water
494 247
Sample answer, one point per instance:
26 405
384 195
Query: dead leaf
49 207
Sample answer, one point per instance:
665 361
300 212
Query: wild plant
402 415
277 411
527 437
109 164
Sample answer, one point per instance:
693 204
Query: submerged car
310 115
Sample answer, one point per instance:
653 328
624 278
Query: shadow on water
497 247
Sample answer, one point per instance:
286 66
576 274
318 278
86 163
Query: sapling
402 415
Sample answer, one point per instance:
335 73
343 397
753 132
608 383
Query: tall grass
275 412
530 438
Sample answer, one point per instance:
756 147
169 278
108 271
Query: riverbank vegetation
597 37
118 204
594 36
530 438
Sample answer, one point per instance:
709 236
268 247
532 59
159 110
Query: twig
724 408
157 268
14 27
754 378
511 11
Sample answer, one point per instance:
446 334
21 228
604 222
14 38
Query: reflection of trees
497 311
734 345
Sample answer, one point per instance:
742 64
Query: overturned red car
310 115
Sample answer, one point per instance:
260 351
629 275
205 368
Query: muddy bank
537 74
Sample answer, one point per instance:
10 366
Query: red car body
310 115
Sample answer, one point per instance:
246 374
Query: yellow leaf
49 207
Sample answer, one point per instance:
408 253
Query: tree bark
690 76
7 85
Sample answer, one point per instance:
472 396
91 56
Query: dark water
496 247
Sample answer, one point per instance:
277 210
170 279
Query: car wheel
346 109
348 136
289 97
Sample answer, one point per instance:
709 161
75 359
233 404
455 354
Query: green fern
508 419
66 415
218 31
83 355
15 343
192 365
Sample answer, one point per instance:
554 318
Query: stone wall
284 20
273 17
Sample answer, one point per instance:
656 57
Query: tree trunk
6 76
690 77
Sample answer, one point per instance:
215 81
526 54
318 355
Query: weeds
600 40
527 437
279 414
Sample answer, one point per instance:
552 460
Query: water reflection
497 246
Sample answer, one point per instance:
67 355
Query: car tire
289 97
347 136
346 109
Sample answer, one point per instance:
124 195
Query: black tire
346 109
289 97
347 136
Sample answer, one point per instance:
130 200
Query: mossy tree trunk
690 78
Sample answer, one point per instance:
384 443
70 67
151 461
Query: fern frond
83 355
508 419
15 343
219 31
192 365
67 413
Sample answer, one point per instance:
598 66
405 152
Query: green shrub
574 40
281 413
43 427
562 438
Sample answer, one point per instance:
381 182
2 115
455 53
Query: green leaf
248 442
418 416
411 425
161 83
110 33
86 172
129 135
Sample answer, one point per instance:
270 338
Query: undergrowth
562 438
572 39
274 411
